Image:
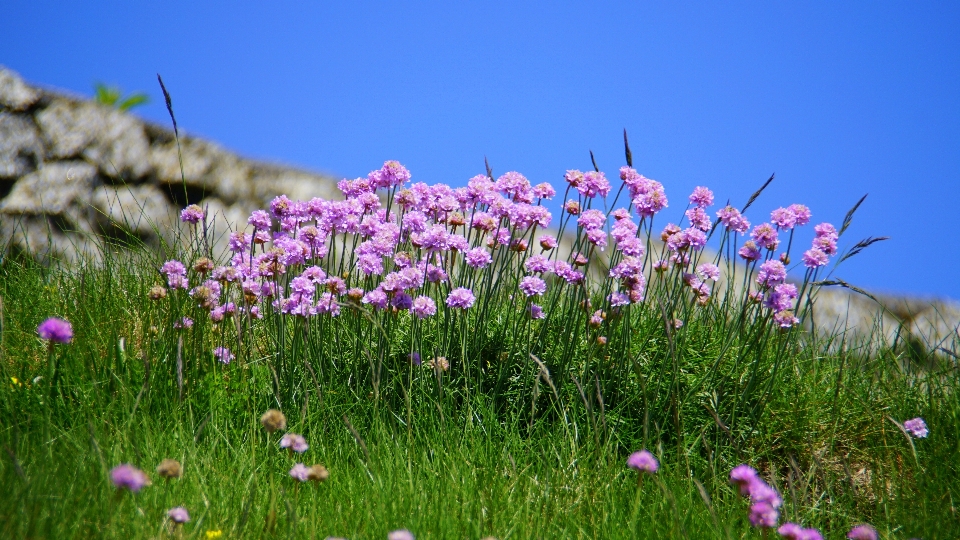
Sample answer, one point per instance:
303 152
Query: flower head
169 468
533 286
461 297
916 427
318 473
294 442
178 514
55 330
223 354
300 472
763 515
127 476
862 532
273 420
401 534
191 214
643 461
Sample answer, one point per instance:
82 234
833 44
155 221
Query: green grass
494 451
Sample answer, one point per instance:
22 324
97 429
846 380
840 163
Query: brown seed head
157 292
170 468
273 420
318 473
203 265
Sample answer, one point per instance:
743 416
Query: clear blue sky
838 98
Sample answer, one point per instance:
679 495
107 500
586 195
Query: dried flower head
203 265
273 420
157 292
169 468
318 473
55 330
439 363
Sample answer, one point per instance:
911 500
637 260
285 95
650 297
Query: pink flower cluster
765 501
424 249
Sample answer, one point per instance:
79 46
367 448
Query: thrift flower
533 286
862 532
643 461
401 534
55 330
300 472
178 515
294 442
423 306
223 354
461 297
763 515
127 476
191 214
701 197
916 427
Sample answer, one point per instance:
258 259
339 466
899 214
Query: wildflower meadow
427 361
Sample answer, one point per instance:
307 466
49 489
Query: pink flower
223 354
763 515
732 220
533 286
294 442
191 214
916 427
300 472
765 236
401 534
461 297
862 532
178 515
128 477
643 461
55 330
423 307
701 197
814 258
742 476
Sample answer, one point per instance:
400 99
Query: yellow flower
214 534
15 381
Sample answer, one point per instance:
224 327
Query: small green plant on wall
112 96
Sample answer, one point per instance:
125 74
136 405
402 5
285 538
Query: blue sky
838 98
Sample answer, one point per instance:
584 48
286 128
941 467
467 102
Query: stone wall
73 171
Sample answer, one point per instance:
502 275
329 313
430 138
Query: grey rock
298 185
50 189
20 145
142 209
198 159
69 126
121 149
14 93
